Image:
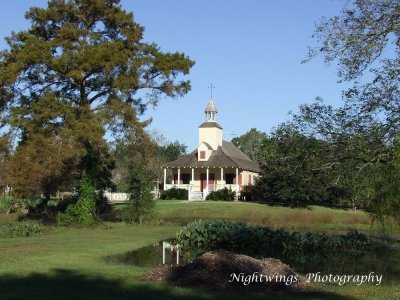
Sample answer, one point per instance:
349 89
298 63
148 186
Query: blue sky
251 50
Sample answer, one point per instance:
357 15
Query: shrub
251 193
84 210
138 206
19 230
221 195
174 193
9 204
6 203
202 236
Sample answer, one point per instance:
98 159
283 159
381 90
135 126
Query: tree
345 153
364 38
358 36
250 143
130 159
139 178
293 168
4 154
163 153
84 210
80 70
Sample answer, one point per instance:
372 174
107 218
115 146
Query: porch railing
211 187
181 186
198 195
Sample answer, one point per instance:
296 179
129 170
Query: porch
195 194
201 181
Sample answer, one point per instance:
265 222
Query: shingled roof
210 125
227 156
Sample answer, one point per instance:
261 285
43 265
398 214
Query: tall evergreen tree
76 73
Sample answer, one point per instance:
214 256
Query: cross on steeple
233 133
211 87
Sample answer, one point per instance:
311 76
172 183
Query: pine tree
80 70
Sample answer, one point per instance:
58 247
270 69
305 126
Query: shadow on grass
300 205
66 284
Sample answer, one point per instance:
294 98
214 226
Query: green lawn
316 218
67 263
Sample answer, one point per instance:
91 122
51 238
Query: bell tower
210 131
211 111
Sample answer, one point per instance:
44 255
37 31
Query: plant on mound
23 230
174 193
221 195
202 236
83 212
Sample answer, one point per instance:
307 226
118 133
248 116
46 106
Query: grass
68 263
316 218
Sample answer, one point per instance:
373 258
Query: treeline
130 163
300 167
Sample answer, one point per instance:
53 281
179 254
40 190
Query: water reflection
149 256
385 261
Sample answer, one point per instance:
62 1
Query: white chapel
214 165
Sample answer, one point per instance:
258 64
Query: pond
149 256
385 263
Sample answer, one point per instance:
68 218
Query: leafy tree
139 179
346 153
163 153
79 70
140 204
359 36
170 151
250 143
293 168
363 39
158 152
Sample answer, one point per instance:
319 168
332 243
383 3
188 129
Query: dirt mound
223 270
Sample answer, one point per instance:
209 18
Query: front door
203 178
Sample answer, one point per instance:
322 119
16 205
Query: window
202 154
229 178
185 178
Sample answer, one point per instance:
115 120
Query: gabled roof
226 156
207 145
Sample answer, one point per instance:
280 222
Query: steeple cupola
211 111
210 132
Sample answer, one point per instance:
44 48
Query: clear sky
251 50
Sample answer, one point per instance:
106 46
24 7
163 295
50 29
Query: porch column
207 176
165 179
237 176
179 177
192 174
222 182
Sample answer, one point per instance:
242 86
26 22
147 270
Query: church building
214 165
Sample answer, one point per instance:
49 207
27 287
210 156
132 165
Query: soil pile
226 270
